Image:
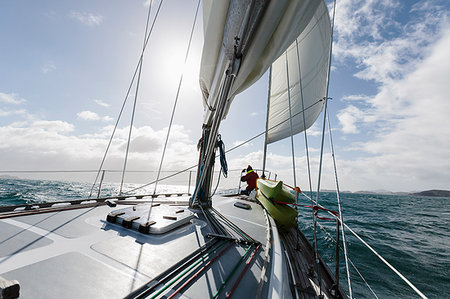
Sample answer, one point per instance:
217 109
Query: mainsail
304 66
242 39
264 28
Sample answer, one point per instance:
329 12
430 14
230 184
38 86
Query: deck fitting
145 228
9 288
112 217
129 221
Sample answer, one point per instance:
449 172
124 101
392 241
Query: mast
210 132
209 137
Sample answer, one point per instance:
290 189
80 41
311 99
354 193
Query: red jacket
250 178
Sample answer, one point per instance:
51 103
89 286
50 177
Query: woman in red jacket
250 178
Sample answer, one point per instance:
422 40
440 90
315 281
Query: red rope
315 208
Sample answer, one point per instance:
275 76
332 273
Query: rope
235 227
247 264
199 271
224 283
177 278
176 97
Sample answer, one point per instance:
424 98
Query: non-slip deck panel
150 255
71 275
69 224
14 239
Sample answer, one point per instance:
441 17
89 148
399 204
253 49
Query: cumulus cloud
348 118
406 116
87 18
11 98
89 115
49 145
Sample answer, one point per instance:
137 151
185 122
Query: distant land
433 193
436 193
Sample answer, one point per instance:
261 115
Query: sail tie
223 159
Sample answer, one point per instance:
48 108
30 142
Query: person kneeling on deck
250 178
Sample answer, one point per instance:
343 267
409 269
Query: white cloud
11 98
43 144
47 68
405 121
348 118
101 103
89 115
12 112
370 32
86 18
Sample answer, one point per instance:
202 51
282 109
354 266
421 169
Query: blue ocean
410 232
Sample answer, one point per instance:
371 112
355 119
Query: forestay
271 28
307 61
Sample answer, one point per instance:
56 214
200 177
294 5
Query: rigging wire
290 119
141 62
176 98
338 198
229 150
126 98
304 121
410 284
353 265
334 160
318 192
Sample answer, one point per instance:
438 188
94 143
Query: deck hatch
151 219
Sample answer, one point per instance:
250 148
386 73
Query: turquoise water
410 232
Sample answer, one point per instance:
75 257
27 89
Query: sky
65 68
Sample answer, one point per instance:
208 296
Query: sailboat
203 244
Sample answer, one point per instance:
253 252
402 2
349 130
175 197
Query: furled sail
305 66
264 28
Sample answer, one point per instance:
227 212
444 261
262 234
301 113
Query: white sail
307 60
272 31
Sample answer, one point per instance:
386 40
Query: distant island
435 193
432 193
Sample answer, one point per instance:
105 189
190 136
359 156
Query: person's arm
244 178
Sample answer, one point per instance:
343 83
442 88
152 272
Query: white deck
78 254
